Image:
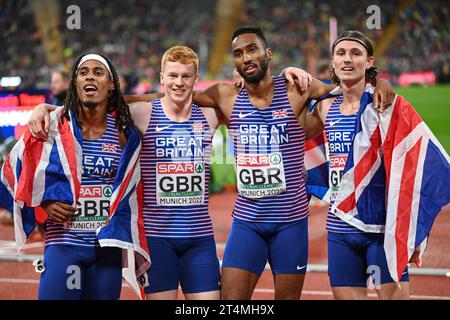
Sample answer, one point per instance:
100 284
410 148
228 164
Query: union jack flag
316 164
36 171
198 126
395 180
107 147
278 114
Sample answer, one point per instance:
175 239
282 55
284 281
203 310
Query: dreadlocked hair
116 102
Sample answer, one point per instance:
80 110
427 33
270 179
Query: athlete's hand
39 122
58 211
298 77
415 256
240 83
383 96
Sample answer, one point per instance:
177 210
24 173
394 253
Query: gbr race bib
92 208
260 175
337 166
180 183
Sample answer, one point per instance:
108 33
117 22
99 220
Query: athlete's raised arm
383 95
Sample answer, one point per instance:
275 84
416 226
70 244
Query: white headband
93 56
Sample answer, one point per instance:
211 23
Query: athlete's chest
273 125
101 157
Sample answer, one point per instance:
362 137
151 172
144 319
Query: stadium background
412 48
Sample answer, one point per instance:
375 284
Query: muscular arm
220 96
314 123
141 113
383 95
143 97
318 89
215 95
203 98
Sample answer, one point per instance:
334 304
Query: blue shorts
251 244
191 262
81 273
353 257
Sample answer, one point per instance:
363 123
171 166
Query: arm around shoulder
215 96
318 89
141 113
143 98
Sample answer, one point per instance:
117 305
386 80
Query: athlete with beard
267 121
76 267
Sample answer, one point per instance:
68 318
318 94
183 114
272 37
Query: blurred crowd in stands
135 33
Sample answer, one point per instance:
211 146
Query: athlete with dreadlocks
176 145
76 267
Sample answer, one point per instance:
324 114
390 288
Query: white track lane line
257 290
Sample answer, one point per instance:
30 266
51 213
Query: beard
254 79
90 104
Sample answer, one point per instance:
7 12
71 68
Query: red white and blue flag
316 164
396 166
36 171
279 114
126 223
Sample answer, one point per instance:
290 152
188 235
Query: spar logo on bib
107 191
260 175
275 159
180 183
199 167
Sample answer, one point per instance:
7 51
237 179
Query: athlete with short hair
266 121
177 142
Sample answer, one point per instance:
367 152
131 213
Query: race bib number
337 166
180 183
261 175
92 209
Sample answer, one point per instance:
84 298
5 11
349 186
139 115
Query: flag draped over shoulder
126 223
395 166
36 171
317 158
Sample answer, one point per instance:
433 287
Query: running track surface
18 280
